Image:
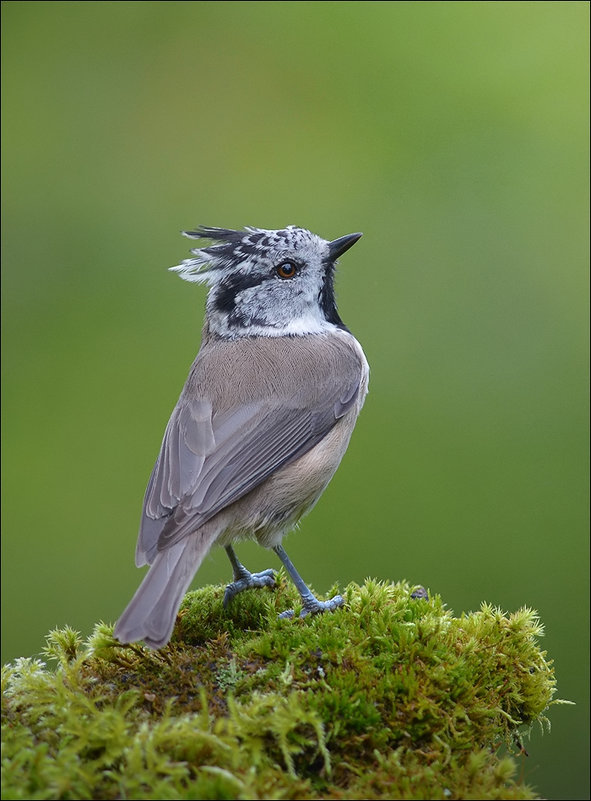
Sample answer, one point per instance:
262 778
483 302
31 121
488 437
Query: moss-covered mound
390 697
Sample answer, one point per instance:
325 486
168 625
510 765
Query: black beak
339 246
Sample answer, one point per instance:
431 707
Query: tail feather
151 613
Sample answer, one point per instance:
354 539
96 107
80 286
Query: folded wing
209 458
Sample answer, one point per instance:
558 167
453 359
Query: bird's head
267 283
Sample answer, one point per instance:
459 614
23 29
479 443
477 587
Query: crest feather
199 269
230 248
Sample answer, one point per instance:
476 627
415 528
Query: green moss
389 697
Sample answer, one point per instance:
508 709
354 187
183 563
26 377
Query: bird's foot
312 606
245 580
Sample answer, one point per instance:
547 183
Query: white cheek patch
281 309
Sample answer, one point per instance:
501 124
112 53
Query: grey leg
244 579
311 605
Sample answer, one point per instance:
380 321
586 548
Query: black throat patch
327 298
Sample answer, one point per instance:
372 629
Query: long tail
151 613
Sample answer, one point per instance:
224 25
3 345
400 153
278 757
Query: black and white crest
266 282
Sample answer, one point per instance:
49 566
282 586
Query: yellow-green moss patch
388 698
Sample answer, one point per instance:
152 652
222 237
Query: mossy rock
390 697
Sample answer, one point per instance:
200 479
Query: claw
248 581
312 606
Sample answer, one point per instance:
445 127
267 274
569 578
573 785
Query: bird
261 424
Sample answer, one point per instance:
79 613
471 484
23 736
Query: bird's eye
287 269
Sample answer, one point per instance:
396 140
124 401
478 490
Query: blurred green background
454 135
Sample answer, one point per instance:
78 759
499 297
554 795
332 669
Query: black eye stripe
229 287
